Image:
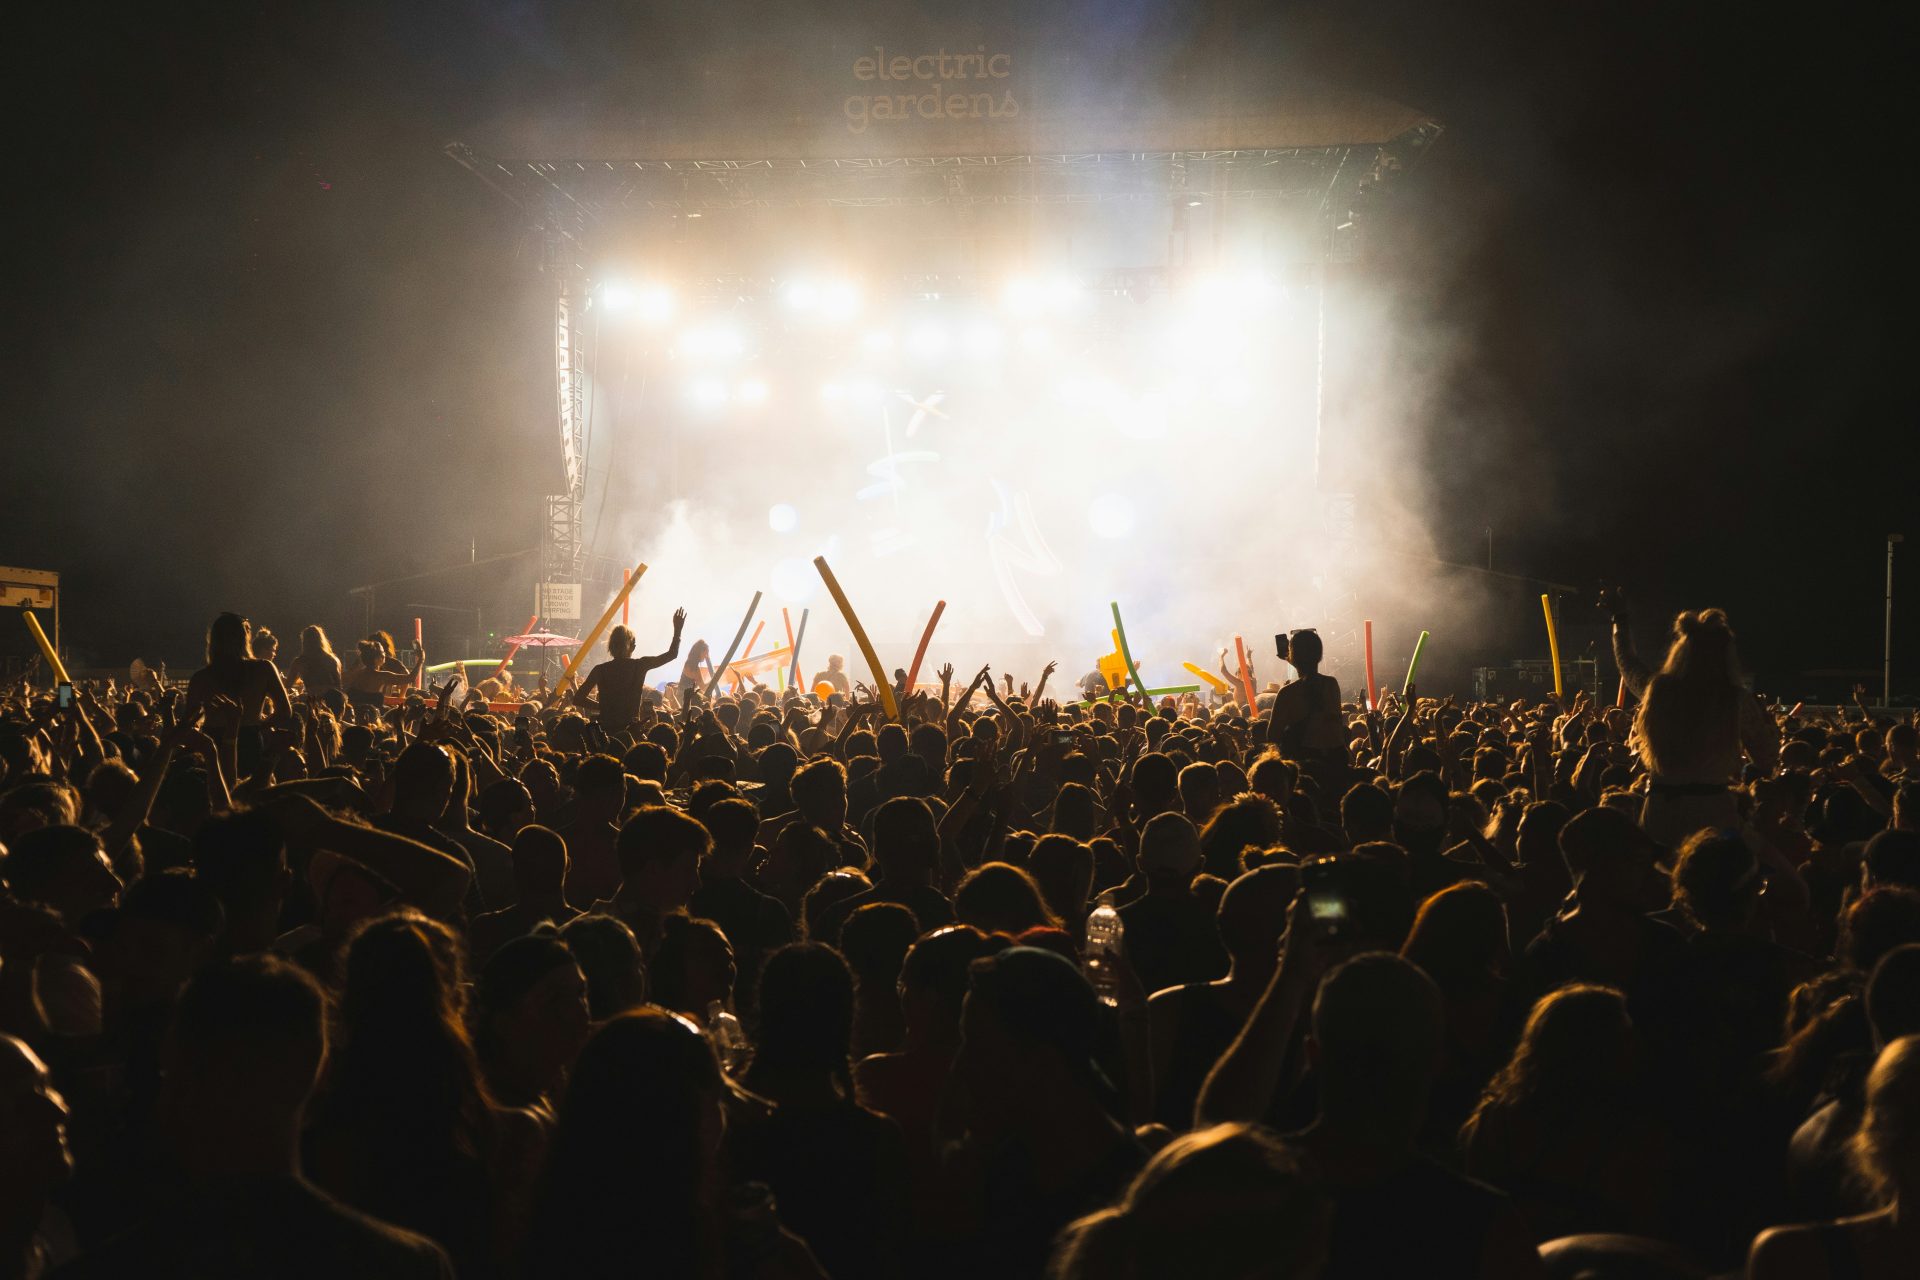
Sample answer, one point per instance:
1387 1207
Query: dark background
265 342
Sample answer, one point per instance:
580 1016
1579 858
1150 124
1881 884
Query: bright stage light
616 296
832 391
862 391
650 303
1111 516
707 393
1034 338
782 518
751 391
877 341
839 300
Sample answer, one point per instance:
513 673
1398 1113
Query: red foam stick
926 637
1366 629
514 648
420 676
1246 672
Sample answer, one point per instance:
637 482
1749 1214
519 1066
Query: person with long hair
635 1183
1560 1128
233 672
1696 725
1886 1153
316 667
405 1128
1218 1204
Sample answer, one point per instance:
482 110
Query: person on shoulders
616 686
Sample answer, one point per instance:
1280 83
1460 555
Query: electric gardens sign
895 87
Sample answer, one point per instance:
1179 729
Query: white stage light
877 341
782 518
1035 338
1041 295
864 392
616 295
1111 516
751 391
802 296
832 391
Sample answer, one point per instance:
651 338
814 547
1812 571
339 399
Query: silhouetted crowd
336 970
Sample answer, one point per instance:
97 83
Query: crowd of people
320 969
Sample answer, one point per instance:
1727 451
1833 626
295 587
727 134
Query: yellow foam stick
593 636
880 682
1553 642
1219 685
46 647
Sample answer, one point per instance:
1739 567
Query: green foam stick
1154 693
1125 652
1414 665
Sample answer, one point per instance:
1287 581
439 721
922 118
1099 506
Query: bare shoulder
1788 1253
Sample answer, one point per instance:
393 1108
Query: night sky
266 342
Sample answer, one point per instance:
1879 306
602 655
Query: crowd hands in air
308 971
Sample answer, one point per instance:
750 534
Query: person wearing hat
1042 1146
1171 935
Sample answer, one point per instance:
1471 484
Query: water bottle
1104 934
729 1037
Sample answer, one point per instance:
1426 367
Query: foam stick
1219 685
1246 672
514 648
1553 642
793 673
1120 634
720 667
419 677
939 607
624 603
1366 630
1414 665
881 684
438 667
757 662
593 636
46 647
1620 697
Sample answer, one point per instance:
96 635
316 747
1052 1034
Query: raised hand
679 619
946 673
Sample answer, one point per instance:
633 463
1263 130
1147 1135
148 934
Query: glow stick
720 667
794 671
419 677
1219 685
939 607
1414 665
1246 672
1553 642
515 648
46 647
1120 634
1366 629
881 684
593 636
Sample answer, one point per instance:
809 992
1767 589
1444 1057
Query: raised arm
673 650
1632 669
1244 1082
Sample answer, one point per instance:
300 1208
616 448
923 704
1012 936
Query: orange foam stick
1246 672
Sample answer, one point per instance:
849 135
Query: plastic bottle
729 1038
1104 935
